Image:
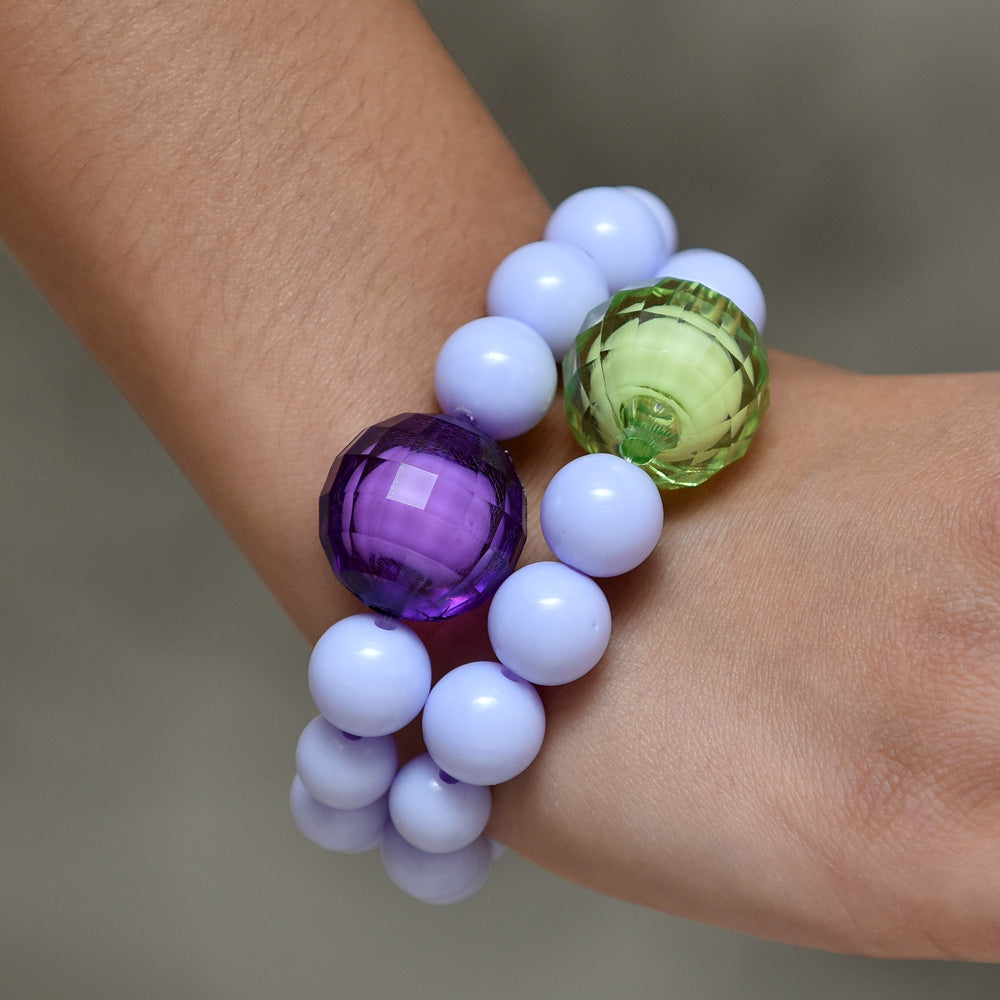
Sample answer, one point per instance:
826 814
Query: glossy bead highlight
369 676
672 377
422 517
551 286
549 624
482 724
601 515
620 232
498 373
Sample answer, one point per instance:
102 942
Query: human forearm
262 219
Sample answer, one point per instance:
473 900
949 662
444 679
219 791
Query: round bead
668 225
435 812
369 676
615 228
549 624
601 515
482 724
723 274
422 517
498 373
436 878
341 771
672 377
349 831
550 286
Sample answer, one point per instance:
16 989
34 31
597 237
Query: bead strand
422 518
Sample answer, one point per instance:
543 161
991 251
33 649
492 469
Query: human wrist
422 518
238 231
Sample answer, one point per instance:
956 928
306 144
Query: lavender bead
349 831
435 812
551 286
665 218
601 515
422 517
549 624
436 878
344 772
482 724
369 676
497 372
616 229
723 274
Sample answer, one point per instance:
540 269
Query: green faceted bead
672 377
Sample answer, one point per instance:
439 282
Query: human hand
794 731
796 728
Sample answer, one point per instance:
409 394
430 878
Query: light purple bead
369 676
616 229
601 515
723 274
482 724
349 831
549 623
435 812
436 878
344 772
497 372
550 286
668 225
422 517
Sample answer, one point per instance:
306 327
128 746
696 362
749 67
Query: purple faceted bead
422 517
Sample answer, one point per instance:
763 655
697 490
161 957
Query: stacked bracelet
422 517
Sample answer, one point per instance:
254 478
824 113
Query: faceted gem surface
672 377
422 517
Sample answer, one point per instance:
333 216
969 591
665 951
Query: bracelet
422 517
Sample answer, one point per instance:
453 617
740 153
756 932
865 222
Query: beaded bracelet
422 517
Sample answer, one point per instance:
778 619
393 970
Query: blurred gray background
152 692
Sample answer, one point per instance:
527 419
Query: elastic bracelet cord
422 517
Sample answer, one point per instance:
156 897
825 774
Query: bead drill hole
650 425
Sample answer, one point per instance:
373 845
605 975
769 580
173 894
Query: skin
246 210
